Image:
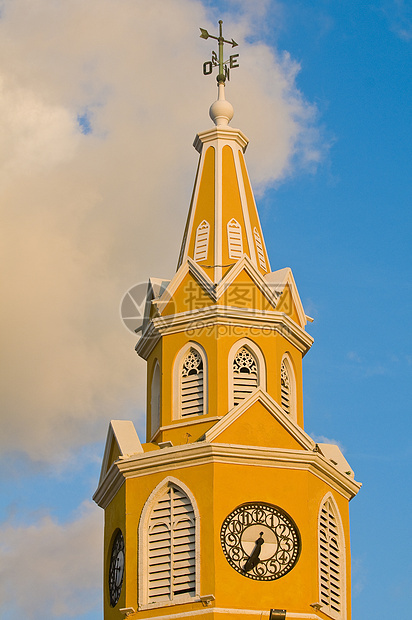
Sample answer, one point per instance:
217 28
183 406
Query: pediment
177 296
122 441
283 285
260 421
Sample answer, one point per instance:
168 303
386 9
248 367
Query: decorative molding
224 315
264 615
225 134
203 452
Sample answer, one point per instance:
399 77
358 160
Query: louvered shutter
245 375
285 396
234 236
259 249
202 241
330 562
183 549
191 384
171 556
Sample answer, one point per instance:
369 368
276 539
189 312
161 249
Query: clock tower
229 509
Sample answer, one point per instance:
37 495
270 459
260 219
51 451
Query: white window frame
155 403
326 609
261 364
286 359
177 369
202 241
234 239
143 547
259 249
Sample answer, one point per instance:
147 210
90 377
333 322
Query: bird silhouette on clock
254 556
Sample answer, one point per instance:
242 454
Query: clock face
260 541
116 569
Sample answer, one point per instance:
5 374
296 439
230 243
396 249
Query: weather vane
217 61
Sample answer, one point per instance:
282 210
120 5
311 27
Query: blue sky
87 126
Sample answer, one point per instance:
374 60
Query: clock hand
254 556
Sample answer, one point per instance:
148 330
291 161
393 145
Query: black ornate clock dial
116 569
260 541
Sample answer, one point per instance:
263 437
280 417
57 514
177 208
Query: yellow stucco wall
218 488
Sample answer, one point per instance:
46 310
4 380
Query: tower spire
223 223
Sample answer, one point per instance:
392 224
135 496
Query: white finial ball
221 112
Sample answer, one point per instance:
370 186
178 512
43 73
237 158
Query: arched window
234 237
245 374
155 400
168 547
331 560
191 382
247 370
287 387
259 249
202 241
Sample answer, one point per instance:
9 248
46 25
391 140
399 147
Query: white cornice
224 315
227 611
202 452
228 134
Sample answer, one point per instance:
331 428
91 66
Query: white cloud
49 569
87 216
354 357
399 16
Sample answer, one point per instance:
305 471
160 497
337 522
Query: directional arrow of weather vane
224 65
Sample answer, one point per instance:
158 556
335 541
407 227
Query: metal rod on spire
218 60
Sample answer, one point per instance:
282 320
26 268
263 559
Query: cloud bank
48 569
100 102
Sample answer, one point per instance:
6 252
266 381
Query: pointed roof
223 223
122 441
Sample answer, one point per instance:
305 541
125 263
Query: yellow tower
229 510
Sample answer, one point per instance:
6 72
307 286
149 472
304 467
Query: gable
286 304
122 440
189 295
282 283
243 292
258 427
260 421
